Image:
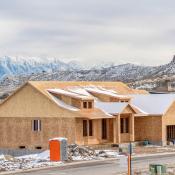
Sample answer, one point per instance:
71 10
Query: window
22 147
124 125
170 132
90 128
36 125
38 147
85 128
124 101
84 104
89 105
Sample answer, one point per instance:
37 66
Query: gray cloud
118 31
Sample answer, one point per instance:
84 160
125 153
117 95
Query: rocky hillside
16 74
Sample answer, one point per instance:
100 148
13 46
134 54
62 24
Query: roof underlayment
111 107
146 104
156 104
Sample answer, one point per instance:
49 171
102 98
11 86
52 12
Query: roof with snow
62 104
111 107
156 104
71 94
104 91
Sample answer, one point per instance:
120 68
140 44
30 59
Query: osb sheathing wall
17 132
149 128
168 119
97 132
29 102
76 103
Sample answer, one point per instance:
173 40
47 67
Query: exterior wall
17 132
149 128
29 102
97 132
76 103
168 119
101 97
66 99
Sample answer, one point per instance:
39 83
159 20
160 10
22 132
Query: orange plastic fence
55 150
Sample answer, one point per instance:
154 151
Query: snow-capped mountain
26 66
20 66
13 73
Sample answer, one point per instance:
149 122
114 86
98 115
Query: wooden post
88 132
132 134
118 129
115 130
129 159
129 164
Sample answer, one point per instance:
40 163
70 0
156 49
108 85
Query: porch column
116 129
88 132
132 135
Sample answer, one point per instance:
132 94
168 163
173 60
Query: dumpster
58 149
157 169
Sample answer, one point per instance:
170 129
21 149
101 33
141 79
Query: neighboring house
86 113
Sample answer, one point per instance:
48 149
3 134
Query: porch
115 130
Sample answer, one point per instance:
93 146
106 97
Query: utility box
58 149
157 169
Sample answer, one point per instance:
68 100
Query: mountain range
14 72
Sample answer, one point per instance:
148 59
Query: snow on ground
10 163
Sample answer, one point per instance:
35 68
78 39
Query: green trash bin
152 169
157 169
145 142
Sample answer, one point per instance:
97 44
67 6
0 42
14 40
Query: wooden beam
132 133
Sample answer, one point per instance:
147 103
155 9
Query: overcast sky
120 31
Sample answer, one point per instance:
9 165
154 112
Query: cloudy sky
120 31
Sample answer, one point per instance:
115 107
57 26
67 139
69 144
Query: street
104 168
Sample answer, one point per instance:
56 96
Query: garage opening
170 132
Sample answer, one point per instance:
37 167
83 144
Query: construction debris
76 152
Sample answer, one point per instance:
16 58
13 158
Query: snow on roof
153 103
111 107
79 90
62 104
104 91
67 93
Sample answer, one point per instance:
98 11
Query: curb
153 155
87 163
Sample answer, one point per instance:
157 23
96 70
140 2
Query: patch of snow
95 89
79 91
64 92
78 158
107 153
10 163
62 104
